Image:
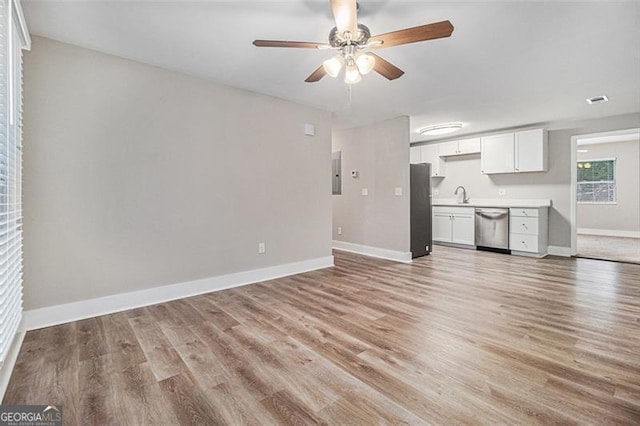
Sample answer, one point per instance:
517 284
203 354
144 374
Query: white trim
398 256
59 314
609 232
22 25
574 178
10 361
559 251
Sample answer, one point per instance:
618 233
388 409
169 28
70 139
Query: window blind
10 176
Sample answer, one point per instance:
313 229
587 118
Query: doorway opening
605 187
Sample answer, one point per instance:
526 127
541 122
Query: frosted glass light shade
352 75
365 63
332 66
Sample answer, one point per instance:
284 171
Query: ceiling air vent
597 99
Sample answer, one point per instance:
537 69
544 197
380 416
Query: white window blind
10 175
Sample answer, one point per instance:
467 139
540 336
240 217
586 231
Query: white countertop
489 202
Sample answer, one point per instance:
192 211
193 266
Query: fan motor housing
336 39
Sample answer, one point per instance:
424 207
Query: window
597 181
11 42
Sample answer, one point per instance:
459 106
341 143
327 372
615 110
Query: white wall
625 214
554 184
380 154
137 177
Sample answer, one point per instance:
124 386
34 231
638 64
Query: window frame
614 181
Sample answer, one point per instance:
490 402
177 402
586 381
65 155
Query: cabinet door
430 155
530 151
463 229
442 227
415 154
469 146
497 154
448 148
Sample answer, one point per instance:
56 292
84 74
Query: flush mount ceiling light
440 129
597 99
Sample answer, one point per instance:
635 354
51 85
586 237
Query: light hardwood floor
456 337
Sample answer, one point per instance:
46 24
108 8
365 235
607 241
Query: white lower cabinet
454 225
528 230
442 229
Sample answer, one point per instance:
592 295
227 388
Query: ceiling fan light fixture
351 74
332 66
441 129
365 63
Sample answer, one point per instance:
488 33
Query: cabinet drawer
523 225
523 212
454 210
522 242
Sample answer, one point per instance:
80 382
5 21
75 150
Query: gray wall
554 184
625 214
136 177
380 154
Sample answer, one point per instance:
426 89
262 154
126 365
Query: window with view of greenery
597 181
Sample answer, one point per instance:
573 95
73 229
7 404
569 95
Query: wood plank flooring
457 337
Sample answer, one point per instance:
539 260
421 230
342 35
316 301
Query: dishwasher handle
492 214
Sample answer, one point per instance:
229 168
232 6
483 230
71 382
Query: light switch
399 191
365 191
309 129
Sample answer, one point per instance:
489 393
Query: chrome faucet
465 200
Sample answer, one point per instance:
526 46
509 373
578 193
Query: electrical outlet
502 191
365 192
398 191
261 248
339 230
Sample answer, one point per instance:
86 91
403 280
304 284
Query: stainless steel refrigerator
420 189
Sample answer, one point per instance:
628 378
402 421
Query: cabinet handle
525 226
524 244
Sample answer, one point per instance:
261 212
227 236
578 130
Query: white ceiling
507 64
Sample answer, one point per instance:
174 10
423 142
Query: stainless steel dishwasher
492 229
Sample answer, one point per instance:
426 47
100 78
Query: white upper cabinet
430 155
469 146
531 151
446 149
524 151
415 154
461 147
427 154
497 154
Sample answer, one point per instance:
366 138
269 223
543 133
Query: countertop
487 202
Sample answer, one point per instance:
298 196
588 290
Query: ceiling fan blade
346 16
386 68
296 44
412 35
316 75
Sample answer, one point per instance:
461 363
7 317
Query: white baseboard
559 251
398 256
609 232
10 361
60 314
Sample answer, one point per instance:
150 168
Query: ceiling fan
354 43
